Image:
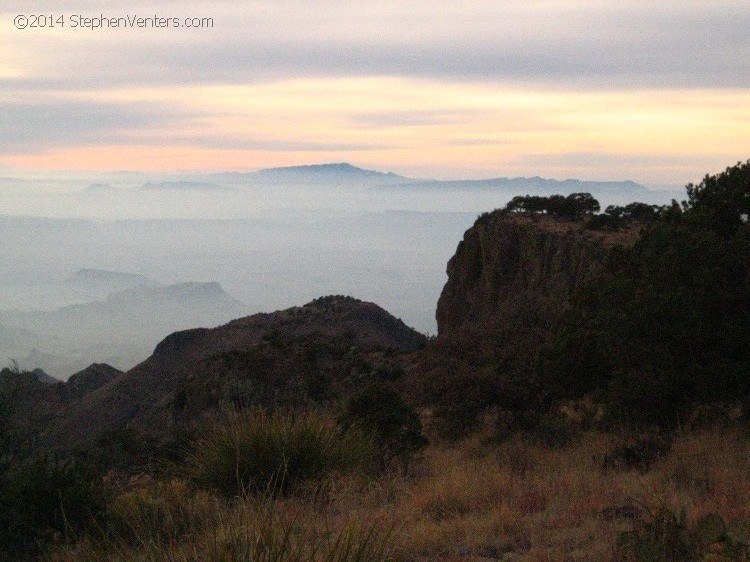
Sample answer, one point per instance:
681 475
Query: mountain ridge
264 358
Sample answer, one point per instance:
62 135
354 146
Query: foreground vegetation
599 497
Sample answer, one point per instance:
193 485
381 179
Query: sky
655 92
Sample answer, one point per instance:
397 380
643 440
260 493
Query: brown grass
517 500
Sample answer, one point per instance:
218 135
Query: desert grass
474 500
172 521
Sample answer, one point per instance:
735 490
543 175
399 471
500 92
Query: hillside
294 356
326 174
640 311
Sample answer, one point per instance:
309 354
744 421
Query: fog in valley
99 267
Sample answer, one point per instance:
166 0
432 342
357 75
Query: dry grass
517 500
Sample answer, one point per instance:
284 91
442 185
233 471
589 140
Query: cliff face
510 272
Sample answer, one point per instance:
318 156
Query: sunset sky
656 92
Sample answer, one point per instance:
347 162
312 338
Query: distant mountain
533 186
126 325
43 377
184 186
14 338
60 360
315 174
607 192
144 305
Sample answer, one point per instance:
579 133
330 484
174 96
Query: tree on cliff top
722 201
573 207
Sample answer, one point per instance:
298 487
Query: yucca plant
255 450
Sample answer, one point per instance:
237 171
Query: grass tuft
258 451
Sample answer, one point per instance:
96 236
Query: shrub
573 207
379 410
257 450
46 500
637 452
554 430
659 535
169 521
161 514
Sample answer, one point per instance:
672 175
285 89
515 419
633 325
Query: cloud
34 127
587 44
471 85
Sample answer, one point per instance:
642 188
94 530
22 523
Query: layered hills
508 288
301 355
571 352
121 329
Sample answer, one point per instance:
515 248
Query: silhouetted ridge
91 378
178 341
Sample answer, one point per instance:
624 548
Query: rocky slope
32 403
290 357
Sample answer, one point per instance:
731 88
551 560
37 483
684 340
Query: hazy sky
657 92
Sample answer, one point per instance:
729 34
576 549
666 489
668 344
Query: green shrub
378 409
257 451
46 500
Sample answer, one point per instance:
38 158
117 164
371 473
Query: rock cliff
511 270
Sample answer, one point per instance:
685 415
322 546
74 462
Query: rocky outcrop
512 269
508 290
91 378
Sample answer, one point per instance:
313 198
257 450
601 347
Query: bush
637 452
464 400
573 207
259 451
379 410
554 430
659 535
721 202
44 501
170 521
664 330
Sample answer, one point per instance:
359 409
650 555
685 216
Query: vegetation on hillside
573 207
658 338
667 328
